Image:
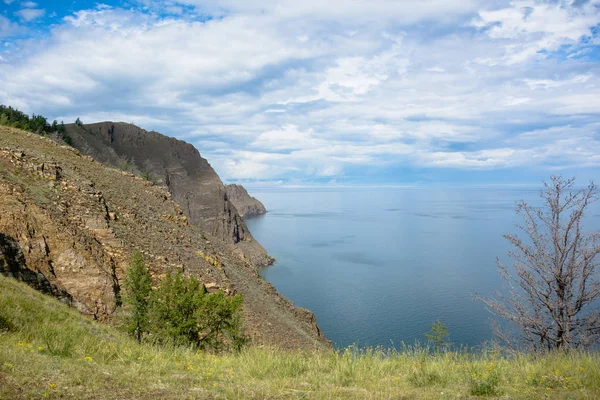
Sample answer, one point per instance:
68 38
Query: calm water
379 266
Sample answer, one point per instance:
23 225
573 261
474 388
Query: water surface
378 266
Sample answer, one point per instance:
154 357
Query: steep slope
178 167
243 202
69 224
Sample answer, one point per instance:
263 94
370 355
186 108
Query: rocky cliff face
69 224
245 204
177 166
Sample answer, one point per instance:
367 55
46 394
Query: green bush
181 312
174 309
5 324
485 383
220 322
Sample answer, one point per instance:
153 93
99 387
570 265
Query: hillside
69 225
179 168
246 205
47 350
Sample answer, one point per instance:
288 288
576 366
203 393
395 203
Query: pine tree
438 334
138 286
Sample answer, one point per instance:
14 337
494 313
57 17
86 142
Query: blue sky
368 92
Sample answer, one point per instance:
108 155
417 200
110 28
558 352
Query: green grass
48 350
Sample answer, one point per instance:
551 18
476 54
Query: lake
379 266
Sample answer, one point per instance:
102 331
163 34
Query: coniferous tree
138 286
438 335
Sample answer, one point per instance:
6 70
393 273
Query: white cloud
553 83
402 11
530 27
8 28
312 90
29 14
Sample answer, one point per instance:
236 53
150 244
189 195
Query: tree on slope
554 283
138 286
183 313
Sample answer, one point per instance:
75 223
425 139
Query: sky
333 93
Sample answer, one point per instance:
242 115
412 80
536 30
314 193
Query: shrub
174 309
183 313
220 323
5 324
485 383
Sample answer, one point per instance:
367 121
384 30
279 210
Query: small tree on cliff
438 335
138 286
174 309
554 289
181 312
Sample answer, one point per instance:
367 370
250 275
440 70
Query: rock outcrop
245 204
178 167
68 226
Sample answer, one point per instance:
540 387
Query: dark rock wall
246 205
178 167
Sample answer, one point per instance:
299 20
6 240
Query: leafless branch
554 287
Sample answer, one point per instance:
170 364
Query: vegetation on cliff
14 118
48 350
181 312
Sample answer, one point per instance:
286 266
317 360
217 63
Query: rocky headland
245 204
69 224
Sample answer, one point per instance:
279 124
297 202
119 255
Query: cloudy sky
353 92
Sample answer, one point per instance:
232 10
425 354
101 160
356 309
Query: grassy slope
49 351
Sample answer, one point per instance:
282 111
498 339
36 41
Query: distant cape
245 204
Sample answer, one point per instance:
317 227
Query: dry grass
49 351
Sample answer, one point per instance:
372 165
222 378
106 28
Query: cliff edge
245 204
69 225
179 168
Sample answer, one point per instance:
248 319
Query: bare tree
554 289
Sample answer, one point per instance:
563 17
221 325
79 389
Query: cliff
245 204
179 168
69 225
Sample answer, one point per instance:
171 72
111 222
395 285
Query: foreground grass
49 351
